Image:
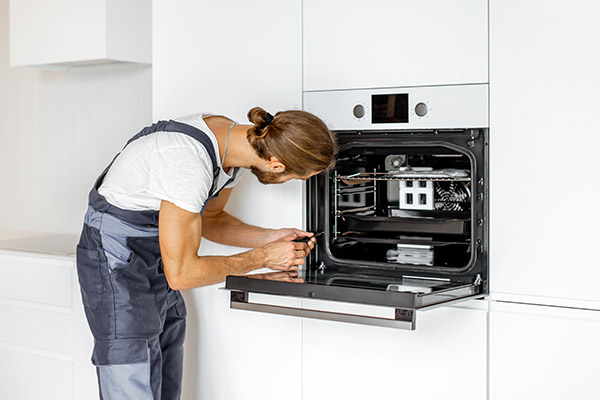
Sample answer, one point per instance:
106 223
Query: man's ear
275 165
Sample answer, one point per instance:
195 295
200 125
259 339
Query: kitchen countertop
40 243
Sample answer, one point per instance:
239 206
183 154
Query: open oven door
402 300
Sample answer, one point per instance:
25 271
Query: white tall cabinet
544 82
226 57
544 218
350 45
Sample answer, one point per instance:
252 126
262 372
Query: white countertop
42 243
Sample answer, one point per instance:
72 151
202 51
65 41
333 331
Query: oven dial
359 111
421 109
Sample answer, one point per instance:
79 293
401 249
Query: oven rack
433 176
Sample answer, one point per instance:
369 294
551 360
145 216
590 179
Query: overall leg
124 293
171 343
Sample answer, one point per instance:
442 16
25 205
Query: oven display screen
389 108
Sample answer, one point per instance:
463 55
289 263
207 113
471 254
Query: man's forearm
226 229
208 270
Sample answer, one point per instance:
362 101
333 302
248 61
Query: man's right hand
285 254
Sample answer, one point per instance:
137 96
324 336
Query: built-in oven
404 213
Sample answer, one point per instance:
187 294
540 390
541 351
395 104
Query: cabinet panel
27 376
241 354
36 328
36 279
543 353
543 148
385 43
445 357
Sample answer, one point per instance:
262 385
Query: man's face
268 177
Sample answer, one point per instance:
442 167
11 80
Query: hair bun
260 118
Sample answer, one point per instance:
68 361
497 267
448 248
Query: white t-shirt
168 166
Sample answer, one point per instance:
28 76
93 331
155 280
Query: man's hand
285 254
277 234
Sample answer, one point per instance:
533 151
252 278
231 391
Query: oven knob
421 109
359 111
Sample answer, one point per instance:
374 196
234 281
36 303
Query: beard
266 177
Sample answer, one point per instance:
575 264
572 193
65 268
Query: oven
404 213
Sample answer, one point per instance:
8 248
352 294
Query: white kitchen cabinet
445 357
72 32
548 353
385 43
544 145
45 344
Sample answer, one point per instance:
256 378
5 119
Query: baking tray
452 226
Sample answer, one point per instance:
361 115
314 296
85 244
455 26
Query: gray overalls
137 320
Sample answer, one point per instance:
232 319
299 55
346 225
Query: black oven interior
402 211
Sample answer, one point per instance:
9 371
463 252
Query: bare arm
180 232
221 227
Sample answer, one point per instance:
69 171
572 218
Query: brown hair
299 139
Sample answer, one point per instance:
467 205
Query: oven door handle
403 319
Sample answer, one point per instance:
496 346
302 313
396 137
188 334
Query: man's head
296 145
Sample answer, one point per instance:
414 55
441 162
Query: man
148 212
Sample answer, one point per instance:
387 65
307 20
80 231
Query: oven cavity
402 206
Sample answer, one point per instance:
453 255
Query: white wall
58 130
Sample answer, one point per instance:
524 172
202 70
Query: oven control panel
428 107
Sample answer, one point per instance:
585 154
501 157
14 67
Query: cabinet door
444 358
34 375
383 43
539 352
233 354
544 104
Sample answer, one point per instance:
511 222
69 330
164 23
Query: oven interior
401 211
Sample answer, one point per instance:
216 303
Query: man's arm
221 227
180 232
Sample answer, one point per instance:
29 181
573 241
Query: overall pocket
89 273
